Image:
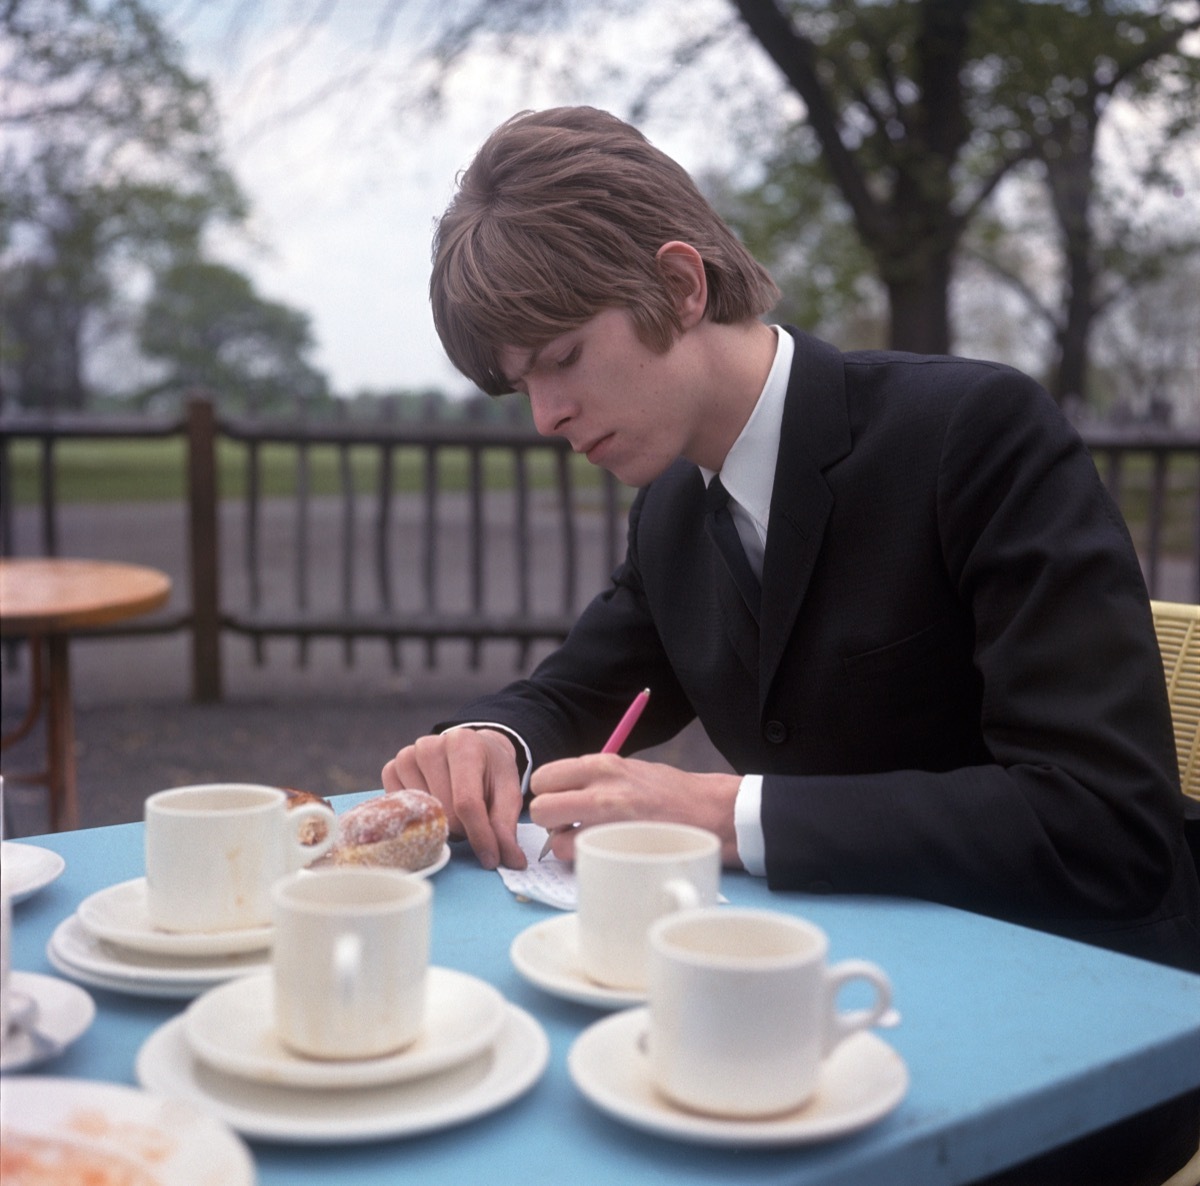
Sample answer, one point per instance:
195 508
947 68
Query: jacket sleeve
570 703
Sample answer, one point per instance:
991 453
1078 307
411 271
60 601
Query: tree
210 328
111 165
1084 58
914 114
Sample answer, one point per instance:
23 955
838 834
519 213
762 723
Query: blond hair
560 215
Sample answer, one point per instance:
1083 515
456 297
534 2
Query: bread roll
313 830
399 829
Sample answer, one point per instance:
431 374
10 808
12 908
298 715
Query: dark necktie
725 535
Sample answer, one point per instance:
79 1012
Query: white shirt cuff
514 735
747 822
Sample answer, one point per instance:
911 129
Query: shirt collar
746 474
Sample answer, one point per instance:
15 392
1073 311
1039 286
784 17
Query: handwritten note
550 881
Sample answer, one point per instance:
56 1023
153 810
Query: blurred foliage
110 180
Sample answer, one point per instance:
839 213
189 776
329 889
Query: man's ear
682 269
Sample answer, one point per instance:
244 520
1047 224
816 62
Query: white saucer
232 1029
438 864
120 915
80 955
82 1130
482 1084
547 954
64 1012
28 868
860 1082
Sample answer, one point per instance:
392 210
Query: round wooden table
46 600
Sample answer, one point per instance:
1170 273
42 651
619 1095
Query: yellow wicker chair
1178 630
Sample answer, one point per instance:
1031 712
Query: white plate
28 868
232 1028
547 954
78 954
266 1112
859 1083
120 915
439 863
73 1125
64 1012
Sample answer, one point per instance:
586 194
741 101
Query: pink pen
612 745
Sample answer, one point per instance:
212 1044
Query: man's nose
550 413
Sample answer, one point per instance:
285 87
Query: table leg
60 741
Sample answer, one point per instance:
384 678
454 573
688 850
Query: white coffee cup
349 960
743 1009
213 851
629 875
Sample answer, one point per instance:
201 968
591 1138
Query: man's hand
473 774
602 788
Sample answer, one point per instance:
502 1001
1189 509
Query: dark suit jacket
954 690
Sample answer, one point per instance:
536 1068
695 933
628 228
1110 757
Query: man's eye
569 359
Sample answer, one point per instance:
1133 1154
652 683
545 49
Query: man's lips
596 448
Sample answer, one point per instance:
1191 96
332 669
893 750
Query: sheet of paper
550 881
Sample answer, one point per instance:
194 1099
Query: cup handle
682 894
841 1025
297 817
347 962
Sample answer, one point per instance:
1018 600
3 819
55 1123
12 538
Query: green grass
155 470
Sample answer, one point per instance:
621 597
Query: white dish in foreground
270 1113
70 1126
547 955
81 956
28 868
120 914
860 1083
232 1029
64 1012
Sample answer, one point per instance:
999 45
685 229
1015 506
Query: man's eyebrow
530 363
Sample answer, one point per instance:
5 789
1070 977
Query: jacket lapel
815 434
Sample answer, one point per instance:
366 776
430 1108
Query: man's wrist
521 750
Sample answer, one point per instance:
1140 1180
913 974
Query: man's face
629 409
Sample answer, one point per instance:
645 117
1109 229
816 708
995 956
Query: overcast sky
345 191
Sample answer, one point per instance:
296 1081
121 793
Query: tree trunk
1069 174
918 303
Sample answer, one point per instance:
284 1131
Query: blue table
1015 1042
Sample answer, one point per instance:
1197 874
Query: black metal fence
455 530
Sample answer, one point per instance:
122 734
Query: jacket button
775 732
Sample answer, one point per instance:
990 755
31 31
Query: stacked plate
110 943
475 1054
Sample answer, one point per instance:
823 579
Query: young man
932 662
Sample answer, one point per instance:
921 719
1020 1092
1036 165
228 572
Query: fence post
202 537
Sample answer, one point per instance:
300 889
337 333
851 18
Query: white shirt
749 481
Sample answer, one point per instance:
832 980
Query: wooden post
203 541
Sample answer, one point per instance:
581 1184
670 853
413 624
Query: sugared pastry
399 829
